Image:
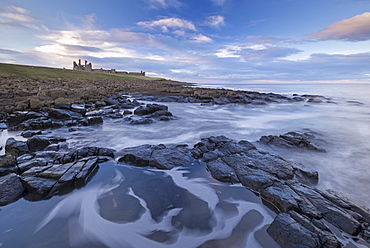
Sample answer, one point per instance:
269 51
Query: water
125 206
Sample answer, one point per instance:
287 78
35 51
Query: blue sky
201 41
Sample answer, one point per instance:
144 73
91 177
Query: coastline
53 96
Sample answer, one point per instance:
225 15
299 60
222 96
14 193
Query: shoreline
66 109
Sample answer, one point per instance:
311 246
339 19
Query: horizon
206 42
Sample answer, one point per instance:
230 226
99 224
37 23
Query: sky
199 41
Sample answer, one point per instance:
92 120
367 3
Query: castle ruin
88 67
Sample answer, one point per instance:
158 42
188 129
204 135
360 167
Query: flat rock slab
159 156
32 170
290 140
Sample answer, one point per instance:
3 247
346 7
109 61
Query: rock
35 103
15 147
18 117
292 140
29 133
62 114
141 121
288 232
11 189
37 143
79 108
95 120
161 156
160 113
7 164
35 162
283 184
62 103
149 109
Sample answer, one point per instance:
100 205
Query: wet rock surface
303 210
87 115
291 140
223 97
159 156
42 166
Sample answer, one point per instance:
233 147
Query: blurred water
125 206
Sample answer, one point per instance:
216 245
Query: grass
53 73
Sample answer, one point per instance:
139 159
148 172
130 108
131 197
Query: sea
126 206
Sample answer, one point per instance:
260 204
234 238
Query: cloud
19 10
218 2
158 4
215 21
353 29
82 48
7 51
90 20
168 24
19 17
201 39
254 23
256 52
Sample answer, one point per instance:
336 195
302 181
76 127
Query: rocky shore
45 165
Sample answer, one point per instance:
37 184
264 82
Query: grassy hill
53 73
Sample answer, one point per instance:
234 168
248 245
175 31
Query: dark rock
106 152
29 133
95 120
292 140
7 165
165 118
282 183
141 121
37 143
38 123
63 114
149 109
160 113
37 187
79 108
16 147
24 158
159 156
11 189
36 162
290 232
18 117
138 156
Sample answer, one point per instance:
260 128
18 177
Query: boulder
37 143
35 103
160 156
7 164
11 189
63 114
16 147
149 109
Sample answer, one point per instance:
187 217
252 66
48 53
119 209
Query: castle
88 67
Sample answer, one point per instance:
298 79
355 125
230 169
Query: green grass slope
53 73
